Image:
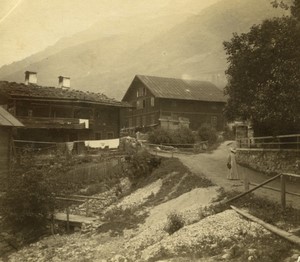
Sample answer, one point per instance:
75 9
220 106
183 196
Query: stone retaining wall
270 161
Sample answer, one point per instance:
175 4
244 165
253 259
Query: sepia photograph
149 130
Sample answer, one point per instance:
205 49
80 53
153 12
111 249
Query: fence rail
271 142
179 148
282 189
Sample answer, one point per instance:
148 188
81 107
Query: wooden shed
7 123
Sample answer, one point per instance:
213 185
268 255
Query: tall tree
264 75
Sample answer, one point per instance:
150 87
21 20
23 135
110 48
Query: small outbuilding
7 123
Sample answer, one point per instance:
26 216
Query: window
140 104
152 101
141 92
174 103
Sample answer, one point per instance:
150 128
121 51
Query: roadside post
283 189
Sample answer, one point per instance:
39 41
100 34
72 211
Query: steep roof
6 119
32 91
182 89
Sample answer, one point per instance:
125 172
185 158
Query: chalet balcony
59 123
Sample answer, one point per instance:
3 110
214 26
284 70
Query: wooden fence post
246 182
68 220
283 189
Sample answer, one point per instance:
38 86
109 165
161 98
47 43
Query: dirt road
213 166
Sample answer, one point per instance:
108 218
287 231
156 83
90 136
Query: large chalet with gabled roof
60 114
171 103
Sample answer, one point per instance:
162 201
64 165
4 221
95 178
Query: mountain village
155 162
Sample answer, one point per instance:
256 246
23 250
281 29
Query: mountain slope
191 49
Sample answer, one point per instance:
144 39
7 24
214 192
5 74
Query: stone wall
270 161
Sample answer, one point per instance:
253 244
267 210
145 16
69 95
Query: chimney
64 82
30 78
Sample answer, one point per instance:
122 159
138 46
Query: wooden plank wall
4 155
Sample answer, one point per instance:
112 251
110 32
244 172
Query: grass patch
117 219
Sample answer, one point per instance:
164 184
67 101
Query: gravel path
213 166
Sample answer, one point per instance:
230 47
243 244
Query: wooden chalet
61 114
171 103
7 123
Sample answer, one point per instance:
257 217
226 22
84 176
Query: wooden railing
271 142
58 122
179 148
74 199
282 189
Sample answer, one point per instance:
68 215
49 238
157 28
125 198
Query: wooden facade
62 115
5 152
7 123
169 102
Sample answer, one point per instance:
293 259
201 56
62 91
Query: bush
29 201
178 136
160 136
174 223
207 133
141 164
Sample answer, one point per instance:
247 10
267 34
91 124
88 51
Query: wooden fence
282 189
179 148
271 142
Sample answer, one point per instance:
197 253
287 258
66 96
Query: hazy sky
29 26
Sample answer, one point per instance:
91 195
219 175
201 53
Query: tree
264 75
29 201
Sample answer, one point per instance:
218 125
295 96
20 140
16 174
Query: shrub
207 133
179 136
141 164
29 201
160 136
174 223
182 136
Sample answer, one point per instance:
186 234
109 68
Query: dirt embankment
133 227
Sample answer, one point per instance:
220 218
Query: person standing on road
232 166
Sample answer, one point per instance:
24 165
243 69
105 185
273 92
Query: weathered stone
226 256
